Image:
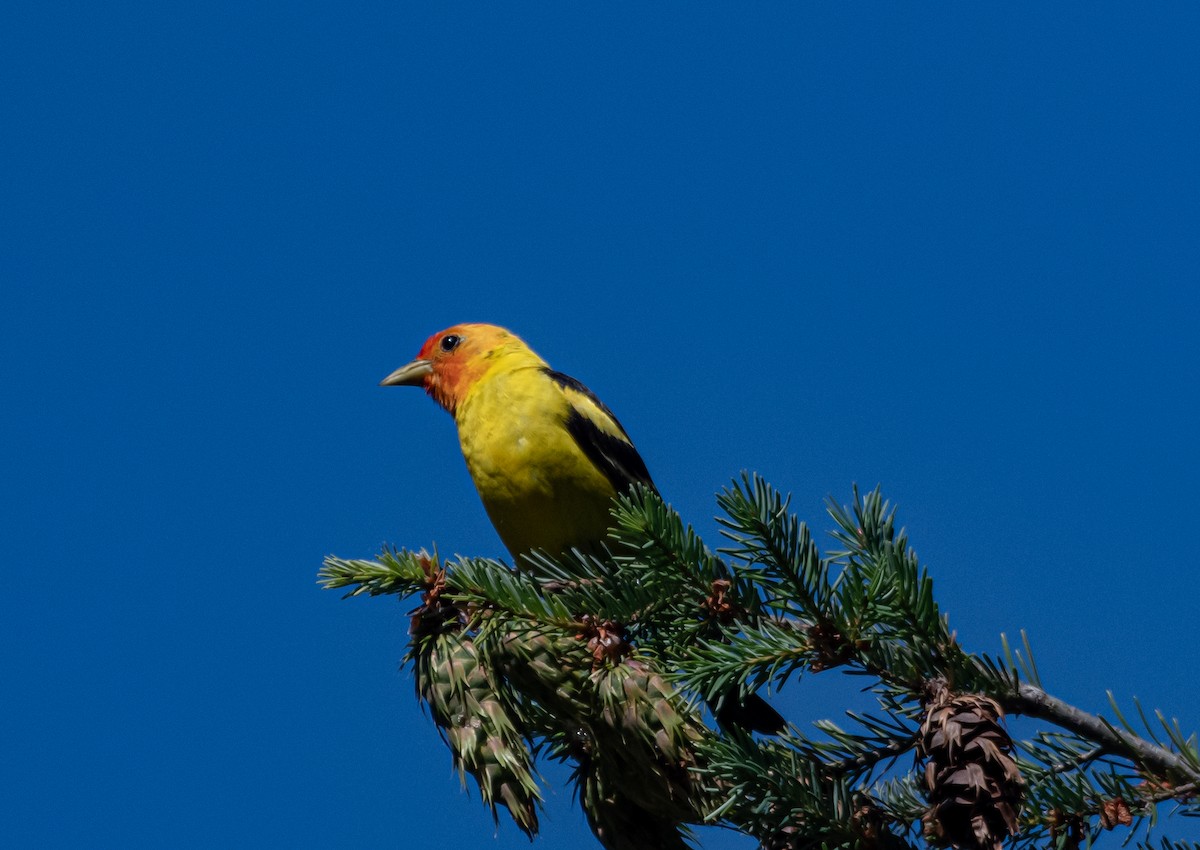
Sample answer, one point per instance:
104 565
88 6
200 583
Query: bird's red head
452 361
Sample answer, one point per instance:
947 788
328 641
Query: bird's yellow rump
546 455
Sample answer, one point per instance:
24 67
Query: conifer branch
602 659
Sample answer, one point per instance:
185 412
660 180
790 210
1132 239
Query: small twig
1175 792
894 748
1077 762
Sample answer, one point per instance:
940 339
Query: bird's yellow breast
539 489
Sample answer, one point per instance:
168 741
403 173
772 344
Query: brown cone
974 785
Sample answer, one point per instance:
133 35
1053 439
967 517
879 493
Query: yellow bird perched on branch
546 455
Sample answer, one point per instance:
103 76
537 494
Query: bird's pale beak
410 375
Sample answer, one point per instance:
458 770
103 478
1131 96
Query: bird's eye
450 342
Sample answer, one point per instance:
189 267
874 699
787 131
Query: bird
546 455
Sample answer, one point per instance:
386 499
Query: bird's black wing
600 436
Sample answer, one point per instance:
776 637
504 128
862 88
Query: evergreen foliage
603 662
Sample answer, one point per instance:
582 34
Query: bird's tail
751 712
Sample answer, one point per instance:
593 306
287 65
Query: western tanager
546 455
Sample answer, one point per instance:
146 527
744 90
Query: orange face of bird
451 361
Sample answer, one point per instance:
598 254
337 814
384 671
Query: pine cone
619 820
637 736
457 684
974 786
636 786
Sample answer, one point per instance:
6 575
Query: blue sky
949 249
